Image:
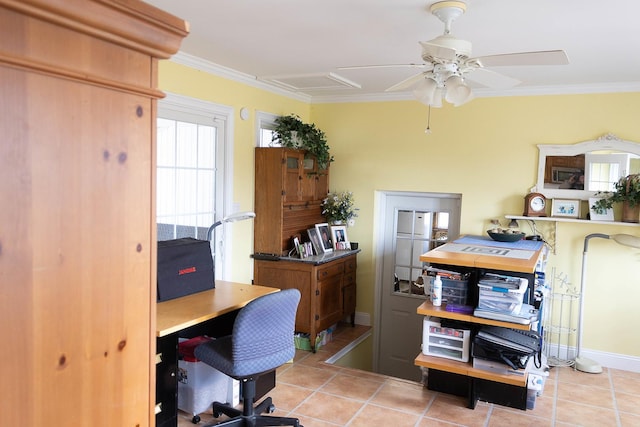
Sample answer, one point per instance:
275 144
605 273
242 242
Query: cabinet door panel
293 176
329 302
270 273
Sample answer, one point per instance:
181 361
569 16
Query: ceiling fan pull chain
428 129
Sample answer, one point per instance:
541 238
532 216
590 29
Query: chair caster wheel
271 409
217 414
195 419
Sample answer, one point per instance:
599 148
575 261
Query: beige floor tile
287 397
403 395
585 415
570 375
305 376
587 395
629 420
455 411
628 402
374 416
352 386
327 407
501 417
626 384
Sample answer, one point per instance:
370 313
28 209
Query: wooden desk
184 316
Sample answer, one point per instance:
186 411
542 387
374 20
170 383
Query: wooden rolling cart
461 378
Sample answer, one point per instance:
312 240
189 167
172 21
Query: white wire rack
559 310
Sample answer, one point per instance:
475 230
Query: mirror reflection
417 232
580 170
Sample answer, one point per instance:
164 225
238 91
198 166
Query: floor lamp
582 363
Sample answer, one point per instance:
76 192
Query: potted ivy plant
627 192
292 132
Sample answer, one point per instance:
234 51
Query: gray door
410 225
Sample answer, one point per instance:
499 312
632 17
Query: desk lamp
582 363
238 216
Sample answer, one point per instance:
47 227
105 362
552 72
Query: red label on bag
186 271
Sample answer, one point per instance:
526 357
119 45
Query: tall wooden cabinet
77 240
289 190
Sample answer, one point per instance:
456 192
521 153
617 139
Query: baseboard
623 362
363 319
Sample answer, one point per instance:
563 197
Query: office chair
261 341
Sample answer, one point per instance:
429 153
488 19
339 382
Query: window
193 152
604 170
265 124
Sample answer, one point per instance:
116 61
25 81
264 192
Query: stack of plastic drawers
455 286
502 294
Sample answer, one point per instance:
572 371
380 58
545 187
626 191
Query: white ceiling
304 42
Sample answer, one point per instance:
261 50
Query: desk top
482 253
180 313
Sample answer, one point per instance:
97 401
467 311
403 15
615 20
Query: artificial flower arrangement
338 207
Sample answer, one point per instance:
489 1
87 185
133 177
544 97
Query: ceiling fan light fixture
458 92
425 92
437 98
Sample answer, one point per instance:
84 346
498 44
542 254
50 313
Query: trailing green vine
292 132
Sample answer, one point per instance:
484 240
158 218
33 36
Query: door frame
380 220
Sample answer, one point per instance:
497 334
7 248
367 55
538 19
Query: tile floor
323 395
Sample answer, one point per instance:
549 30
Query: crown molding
231 74
250 80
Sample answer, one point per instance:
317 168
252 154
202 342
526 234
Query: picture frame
568 208
339 237
325 237
314 238
599 214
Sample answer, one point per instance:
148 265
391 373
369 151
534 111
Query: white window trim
209 111
264 120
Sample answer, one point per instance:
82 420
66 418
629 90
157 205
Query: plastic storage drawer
501 299
449 343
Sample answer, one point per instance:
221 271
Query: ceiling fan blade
491 79
433 50
406 83
545 57
361 67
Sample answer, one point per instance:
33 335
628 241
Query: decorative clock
535 204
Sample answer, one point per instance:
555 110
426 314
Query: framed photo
339 237
569 208
599 214
325 237
314 237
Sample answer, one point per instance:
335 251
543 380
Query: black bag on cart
185 266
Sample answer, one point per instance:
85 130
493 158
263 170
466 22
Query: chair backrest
263 332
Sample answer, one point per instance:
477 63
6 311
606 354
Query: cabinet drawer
349 279
330 270
350 265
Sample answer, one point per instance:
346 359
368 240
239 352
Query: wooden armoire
77 220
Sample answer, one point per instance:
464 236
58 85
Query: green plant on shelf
292 132
627 190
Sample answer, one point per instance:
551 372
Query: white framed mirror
580 170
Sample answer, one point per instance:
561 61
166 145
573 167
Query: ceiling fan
448 64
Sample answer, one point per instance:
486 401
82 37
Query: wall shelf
575 220
555 220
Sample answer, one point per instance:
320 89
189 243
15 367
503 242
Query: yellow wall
485 150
